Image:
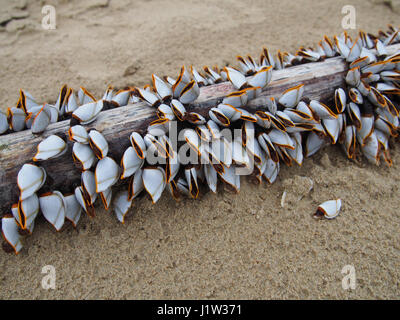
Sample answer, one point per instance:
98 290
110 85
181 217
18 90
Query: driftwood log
320 79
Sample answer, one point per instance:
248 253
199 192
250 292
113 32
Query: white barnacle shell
329 209
263 118
252 92
356 96
340 100
17 117
350 141
367 127
237 78
203 132
162 88
180 83
106 174
355 52
308 55
201 81
253 149
219 117
51 147
284 118
3 122
191 180
360 62
85 203
190 92
322 110
60 104
130 162
390 76
281 138
83 155
136 184
247 116
79 134
247 66
149 97
30 179
380 48
313 143
182 187
41 119
158 127
70 102
98 144
106 197
211 177
291 97
87 113
385 125
261 78
53 207
73 209
154 182
27 211
305 108
164 111
271 170
52 111
355 114
178 109
122 205
214 129
10 233
297 153
375 67
353 77
232 113
213 76
371 149
138 144
88 183
239 154
332 128
121 98
172 166
221 150
342 47
267 145
192 138
155 147
297 116
376 98
268 58
236 99
271 105
207 156
328 47
84 96
195 118
26 101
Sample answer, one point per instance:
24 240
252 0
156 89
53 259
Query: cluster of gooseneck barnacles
362 118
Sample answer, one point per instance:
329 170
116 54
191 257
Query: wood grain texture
320 79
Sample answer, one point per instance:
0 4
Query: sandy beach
222 246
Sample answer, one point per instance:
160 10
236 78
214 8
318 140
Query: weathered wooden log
320 79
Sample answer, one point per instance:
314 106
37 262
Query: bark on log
320 79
